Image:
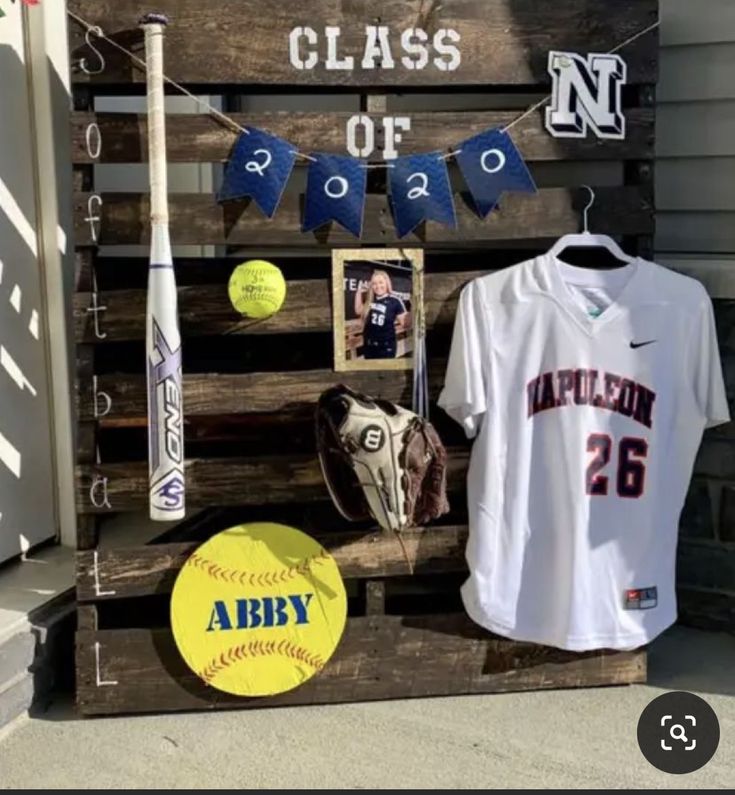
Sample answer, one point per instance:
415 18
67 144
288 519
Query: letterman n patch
640 598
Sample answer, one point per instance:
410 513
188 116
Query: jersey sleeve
464 396
706 367
397 308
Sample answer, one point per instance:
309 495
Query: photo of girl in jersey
376 300
383 316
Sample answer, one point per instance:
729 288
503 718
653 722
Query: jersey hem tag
640 598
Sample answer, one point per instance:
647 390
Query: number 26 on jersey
630 476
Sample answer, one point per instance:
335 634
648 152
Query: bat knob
154 19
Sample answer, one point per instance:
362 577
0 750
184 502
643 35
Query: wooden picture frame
349 346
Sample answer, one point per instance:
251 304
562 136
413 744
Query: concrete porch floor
570 739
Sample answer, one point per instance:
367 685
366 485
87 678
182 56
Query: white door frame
48 81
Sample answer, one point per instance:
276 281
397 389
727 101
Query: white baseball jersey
587 392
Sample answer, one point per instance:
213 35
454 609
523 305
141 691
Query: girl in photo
383 316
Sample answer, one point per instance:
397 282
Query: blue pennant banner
259 167
420 191
491 164
335 191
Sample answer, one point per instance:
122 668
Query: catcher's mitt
380 460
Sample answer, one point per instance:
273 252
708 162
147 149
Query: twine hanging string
97 31
230 122
620 46
223 117
543 101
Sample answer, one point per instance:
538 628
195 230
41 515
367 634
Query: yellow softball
257 288
258 609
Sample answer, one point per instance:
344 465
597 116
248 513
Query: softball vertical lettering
587 392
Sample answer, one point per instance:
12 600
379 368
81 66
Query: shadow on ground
690 659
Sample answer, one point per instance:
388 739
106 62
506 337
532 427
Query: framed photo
377 293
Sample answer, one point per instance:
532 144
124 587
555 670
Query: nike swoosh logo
635 345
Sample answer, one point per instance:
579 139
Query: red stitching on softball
269 578
258 648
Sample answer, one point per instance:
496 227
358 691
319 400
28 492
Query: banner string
230 122
620 46
97 31
545 99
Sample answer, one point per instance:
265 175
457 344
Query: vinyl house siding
695 233
695 141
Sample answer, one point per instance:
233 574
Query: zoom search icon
678 732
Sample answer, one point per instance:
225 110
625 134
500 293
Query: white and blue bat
163 342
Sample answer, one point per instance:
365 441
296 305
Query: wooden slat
199 220
200 138
375 597
501 42
85 260
86 439
378 657
215 394
86 430
142 571
87 618
227 481
206 309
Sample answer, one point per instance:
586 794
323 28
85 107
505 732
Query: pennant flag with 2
335 191
490 165
259 167
420 191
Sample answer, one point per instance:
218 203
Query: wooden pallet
381 655
250 388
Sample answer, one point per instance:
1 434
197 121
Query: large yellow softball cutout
258 609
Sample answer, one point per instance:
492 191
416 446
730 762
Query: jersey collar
556 273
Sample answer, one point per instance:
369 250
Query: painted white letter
392 137
332 62
377 46
369 127
447 49
293 48
414 48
